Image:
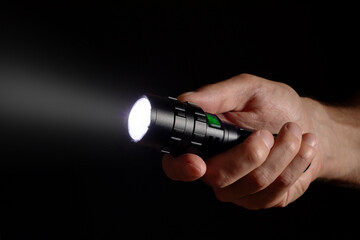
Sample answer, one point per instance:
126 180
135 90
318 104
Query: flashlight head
171 126
139 119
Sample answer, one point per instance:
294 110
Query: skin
262 172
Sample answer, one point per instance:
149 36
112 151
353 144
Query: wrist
317 123
338 134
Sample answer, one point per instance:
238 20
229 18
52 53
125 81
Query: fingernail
192 171
267 138
295 129
310 139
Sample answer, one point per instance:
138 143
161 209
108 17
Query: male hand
260 172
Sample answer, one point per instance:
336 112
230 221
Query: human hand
260 172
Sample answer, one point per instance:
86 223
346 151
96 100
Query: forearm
338 130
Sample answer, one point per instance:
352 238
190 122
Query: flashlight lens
139 119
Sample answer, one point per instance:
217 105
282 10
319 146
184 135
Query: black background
67 184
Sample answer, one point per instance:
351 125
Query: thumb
225 96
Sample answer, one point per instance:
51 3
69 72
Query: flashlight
175 127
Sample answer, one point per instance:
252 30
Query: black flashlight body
183 127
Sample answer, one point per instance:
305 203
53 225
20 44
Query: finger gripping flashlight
171 126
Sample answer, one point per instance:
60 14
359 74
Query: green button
213 120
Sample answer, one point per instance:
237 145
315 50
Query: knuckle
259 179
245 76
285 180
255 155
306 155
216 178
291 146
283 202
286 87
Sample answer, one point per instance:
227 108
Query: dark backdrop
57 182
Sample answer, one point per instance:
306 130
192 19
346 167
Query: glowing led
139 119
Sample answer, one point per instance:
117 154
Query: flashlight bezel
136 120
